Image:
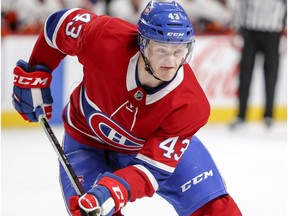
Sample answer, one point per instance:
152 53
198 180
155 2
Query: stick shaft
61 155
64 161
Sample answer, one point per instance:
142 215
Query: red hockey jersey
109 109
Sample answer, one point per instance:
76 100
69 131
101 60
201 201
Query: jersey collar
131 81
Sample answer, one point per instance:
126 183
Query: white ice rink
252 160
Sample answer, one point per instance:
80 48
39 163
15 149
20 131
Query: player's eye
160 51
178 52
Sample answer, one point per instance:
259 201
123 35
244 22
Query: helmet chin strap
148 68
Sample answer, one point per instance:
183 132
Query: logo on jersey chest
113 134
139 95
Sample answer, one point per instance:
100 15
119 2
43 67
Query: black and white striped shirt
261 15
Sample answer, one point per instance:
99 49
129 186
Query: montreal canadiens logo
113 134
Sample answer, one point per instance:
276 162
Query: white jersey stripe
149 175
53 42
155 163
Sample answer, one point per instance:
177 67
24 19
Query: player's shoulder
114 25
190 81
188 72
190 91
83 16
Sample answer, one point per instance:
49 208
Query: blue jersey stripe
52 22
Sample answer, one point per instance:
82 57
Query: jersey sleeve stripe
155 163
150 176
53 24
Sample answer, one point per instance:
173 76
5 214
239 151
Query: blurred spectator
26 16
8 18
209 16
260 22
87 4
8 22
127 9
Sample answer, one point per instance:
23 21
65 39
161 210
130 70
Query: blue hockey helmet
165 22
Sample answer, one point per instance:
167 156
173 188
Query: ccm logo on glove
121 200
37 79
31 91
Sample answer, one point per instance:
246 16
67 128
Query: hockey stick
63 159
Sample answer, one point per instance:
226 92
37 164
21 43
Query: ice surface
252 160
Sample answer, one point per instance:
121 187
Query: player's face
165 58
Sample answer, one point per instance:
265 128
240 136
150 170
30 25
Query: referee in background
261 23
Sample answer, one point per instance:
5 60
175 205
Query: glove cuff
118 188
104 199
37 79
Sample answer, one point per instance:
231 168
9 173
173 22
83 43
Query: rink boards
215 63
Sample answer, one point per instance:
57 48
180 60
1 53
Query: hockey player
129 125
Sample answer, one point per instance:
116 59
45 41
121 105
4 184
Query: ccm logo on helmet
175 34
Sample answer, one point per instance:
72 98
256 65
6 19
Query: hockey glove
31 91
108 196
